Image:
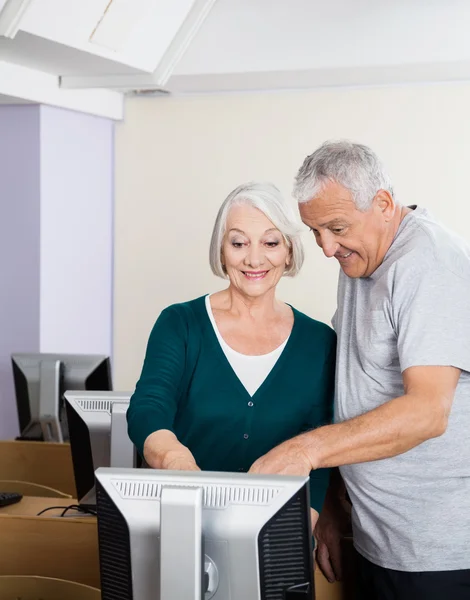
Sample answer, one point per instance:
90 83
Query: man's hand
286 459
313 518
328 535
333 523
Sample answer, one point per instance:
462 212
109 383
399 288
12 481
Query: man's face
358 240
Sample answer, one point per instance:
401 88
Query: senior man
401 435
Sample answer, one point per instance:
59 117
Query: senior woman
230 375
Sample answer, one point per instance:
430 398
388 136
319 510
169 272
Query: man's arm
391 429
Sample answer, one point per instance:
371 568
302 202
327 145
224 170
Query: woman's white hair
354 166
269 200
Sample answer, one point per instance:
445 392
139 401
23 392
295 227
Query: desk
67 548
30 506
325 590
48 546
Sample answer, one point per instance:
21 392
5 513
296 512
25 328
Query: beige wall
177 158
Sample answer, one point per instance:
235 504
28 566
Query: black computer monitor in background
40 382
98 437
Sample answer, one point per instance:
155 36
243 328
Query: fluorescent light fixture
154 81
118 21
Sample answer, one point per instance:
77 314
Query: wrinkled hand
286 459
182 464
180 461
162 450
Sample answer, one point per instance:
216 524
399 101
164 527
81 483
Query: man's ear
385 203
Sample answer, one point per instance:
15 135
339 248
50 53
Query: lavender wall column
19 247
77 152
56 238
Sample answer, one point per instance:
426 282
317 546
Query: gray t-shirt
410 512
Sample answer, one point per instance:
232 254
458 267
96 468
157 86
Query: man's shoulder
425 244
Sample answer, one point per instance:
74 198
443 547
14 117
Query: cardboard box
42 463
44 588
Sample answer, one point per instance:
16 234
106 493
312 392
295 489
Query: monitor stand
186 572
181 565
122 450
50 379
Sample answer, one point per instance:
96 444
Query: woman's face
254 252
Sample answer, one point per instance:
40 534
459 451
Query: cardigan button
250 403
246 436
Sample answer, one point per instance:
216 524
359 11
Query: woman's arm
322 414
154 404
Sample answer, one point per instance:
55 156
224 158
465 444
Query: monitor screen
98 437
192 535
40 381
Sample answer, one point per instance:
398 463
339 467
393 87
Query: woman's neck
242 306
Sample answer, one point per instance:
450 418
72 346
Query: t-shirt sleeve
154 403
319 479
432 316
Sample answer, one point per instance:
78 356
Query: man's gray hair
269 200
354 166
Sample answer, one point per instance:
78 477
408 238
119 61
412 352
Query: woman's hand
180 460
162 450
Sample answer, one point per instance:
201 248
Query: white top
250 370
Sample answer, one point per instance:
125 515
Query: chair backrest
32 587
31 489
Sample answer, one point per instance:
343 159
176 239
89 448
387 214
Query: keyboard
7 498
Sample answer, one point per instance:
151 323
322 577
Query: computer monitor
98 437
40 381
167 535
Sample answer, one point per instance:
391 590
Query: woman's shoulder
187 310
181 320
314 327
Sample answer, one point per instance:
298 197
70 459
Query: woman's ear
289 257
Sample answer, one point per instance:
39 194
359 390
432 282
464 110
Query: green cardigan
188 386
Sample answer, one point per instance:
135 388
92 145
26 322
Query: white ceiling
51 57
266 35
4 99
303 43
255 44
